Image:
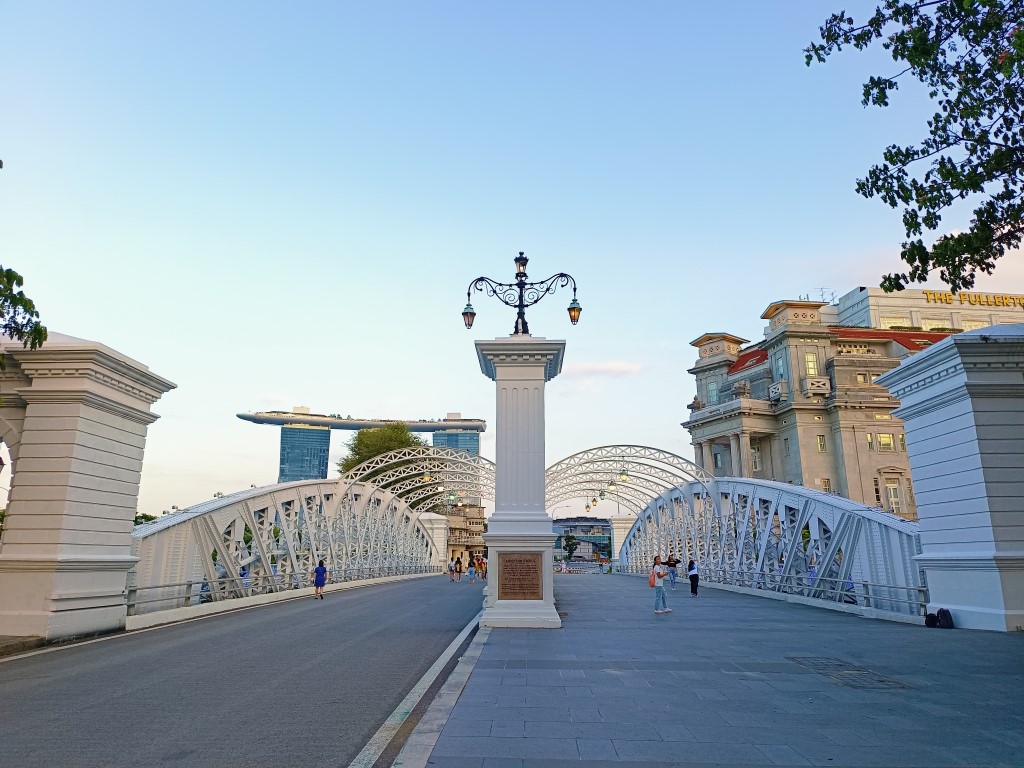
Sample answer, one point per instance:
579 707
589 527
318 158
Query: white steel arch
637 472
375 519
774 536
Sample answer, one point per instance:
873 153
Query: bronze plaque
520 576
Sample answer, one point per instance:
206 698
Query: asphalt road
301 683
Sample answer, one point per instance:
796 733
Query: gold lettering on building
975 299
520 576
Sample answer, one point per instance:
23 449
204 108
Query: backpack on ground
651 580
945 618
931 620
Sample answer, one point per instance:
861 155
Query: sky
274 204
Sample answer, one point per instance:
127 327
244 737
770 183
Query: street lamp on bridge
521 294
520 535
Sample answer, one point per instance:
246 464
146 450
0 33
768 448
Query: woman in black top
691 571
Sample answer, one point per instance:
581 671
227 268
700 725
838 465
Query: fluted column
519 537
734 455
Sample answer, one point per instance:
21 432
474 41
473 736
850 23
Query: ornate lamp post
521 294
520 538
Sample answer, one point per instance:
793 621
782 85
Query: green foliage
570 544
142 517
19 318
367 443
969 54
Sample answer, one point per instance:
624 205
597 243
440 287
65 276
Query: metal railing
184 594
866 594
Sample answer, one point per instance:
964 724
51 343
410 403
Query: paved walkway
729 679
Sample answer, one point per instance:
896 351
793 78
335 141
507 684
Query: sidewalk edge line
376 745
421 742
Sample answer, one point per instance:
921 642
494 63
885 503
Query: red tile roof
748 359
909 339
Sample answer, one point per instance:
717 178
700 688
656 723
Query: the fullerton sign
975 299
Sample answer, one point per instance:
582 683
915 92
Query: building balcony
729 408
778 391
816 386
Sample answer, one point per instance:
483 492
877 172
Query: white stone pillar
436 527
745 470
66 547
734 456
620 527
709 456
962 404
520 538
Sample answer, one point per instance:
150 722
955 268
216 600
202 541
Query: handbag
651 580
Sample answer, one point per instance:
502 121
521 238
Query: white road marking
375 747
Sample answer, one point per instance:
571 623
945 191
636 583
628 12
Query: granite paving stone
713 684
596 749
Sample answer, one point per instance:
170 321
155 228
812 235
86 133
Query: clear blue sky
275 204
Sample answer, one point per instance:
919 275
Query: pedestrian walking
471 571
451 570
658 574
483 569
319 580
694 574
458 570
672 563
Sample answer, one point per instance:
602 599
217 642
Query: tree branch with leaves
969 54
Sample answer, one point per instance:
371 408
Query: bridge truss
764 535
379 518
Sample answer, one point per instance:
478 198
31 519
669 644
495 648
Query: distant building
466 525
304 451
306 441
458 439
593 533
802 406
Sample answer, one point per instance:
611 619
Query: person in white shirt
694 574
660 572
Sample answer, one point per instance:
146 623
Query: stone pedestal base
981 592
64 597
520 584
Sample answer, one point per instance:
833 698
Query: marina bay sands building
306 437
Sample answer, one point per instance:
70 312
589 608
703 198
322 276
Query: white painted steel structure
372 521
636 472
774 536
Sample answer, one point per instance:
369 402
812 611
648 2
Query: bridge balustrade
761 535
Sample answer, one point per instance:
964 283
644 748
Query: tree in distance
367 443
969 54
570 544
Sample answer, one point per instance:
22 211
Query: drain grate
844 673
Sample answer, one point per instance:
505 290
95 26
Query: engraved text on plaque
519 576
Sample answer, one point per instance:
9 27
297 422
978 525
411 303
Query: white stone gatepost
621 525
962 403
74 414
520 538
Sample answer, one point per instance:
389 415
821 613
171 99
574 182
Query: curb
173 615
421 742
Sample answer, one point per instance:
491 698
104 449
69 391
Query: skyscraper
459 439
304 451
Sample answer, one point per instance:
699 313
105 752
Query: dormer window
712 393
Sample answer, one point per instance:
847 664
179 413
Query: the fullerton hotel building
802 405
